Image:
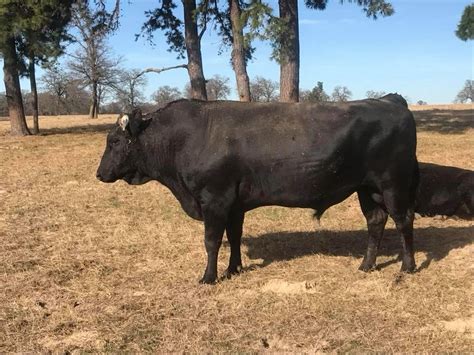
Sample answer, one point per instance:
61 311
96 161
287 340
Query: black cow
221 159
446 191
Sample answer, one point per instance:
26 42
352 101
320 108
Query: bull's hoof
208 279
408 266
232 270
367 267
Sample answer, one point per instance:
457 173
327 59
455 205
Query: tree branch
159 70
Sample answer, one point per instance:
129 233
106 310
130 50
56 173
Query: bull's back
302 155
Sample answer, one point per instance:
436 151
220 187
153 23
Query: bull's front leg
214 230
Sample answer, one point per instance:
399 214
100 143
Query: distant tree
317 94
92 61
465 30
466 93
129 89
375 94
421 103
166 94
217 88
341 94
264 90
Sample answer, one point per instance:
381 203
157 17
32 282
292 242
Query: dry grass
86 266
451 107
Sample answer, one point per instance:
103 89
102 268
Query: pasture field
93 267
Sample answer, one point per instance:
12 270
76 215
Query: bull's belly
302 194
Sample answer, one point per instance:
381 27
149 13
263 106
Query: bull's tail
395 98
415 183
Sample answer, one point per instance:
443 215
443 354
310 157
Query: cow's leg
234 235
376 219
214 231
401 210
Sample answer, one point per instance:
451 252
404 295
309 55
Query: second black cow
221 159
445 191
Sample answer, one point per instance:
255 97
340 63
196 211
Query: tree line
36 32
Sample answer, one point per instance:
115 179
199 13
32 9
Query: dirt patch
289 288
461 325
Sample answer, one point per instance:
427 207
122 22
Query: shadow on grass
435 242
444 121
89 128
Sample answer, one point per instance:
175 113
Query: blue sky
414 52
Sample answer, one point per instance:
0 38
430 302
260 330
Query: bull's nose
97 175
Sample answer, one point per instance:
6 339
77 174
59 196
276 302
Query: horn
123 122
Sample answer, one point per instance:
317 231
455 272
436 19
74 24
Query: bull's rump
301 155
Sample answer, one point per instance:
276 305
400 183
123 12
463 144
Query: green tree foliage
182 36
317 94
372 8
38 31
465 29
163 18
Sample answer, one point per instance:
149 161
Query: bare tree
374 94
218 88
341 94
129 90
264 90
166 94
55 81
467 92
92 62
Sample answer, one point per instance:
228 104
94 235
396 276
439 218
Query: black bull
221 159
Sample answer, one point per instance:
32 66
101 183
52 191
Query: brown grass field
93 267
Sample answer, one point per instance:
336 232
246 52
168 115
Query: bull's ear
123 122
138 123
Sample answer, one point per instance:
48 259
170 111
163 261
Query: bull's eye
115 142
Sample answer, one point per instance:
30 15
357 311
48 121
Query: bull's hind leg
376 218
401 210
234 235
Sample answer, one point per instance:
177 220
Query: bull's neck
156 156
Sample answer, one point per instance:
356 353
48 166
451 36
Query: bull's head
121 159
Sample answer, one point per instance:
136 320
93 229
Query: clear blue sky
414 52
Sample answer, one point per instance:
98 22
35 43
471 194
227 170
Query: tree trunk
93 109
34 92
290 53
238 52
13 90
193 49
